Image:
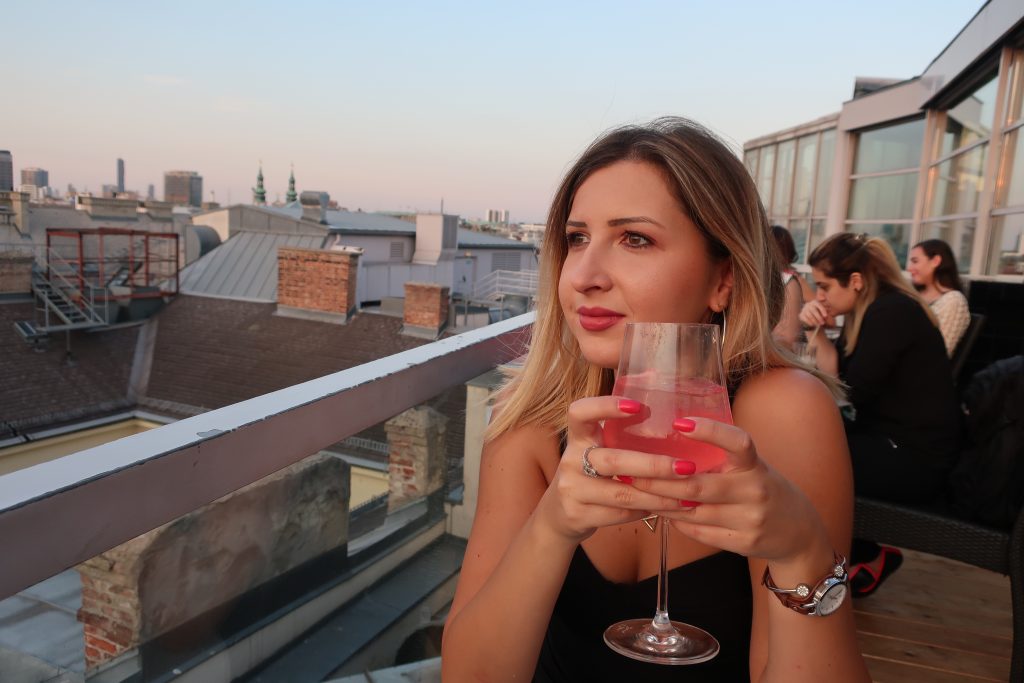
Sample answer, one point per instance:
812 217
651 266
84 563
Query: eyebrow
616 222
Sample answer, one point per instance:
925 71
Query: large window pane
798 229
971 119
896 234
1010 188
803 181
817 235
750 159
1006 248
890 148
783 177
764 175
959 235
825 159
957 183
889 196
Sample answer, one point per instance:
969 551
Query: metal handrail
57 514
500 282
86 305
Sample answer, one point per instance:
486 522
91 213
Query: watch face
832 599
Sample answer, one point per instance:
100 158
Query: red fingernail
688 504
629 406
684 467
684 424
625 479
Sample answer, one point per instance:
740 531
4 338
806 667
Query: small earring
724 323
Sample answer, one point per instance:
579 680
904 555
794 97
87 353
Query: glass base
672 643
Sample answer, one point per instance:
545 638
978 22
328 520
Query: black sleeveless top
712 593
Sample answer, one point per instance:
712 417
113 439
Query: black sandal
865 579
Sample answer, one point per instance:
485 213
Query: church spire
292 195
259 195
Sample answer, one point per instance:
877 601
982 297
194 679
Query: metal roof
470 239
362 223
244 267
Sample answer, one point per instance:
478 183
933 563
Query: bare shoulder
786 401
527 449
795 424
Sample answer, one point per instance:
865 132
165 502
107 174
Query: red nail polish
629 406
684 424
625 479
688 504
684 467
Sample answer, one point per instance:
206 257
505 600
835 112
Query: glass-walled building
940 155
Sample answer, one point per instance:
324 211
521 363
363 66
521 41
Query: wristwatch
821 600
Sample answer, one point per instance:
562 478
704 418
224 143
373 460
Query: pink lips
597 318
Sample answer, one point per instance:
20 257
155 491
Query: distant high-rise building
183 187
151 192
120 175
497 216
6 171
109 191
35 176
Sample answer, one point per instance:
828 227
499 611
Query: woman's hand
814 314
748 508
576 504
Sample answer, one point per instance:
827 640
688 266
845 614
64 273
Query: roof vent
314 206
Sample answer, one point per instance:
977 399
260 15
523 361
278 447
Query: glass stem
661 620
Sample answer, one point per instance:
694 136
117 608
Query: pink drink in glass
651 431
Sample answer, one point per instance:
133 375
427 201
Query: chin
603 355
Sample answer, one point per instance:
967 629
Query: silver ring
588 469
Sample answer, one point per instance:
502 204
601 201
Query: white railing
499 282
81 296
57 514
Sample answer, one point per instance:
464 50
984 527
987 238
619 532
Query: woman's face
838 300
633 256
922 268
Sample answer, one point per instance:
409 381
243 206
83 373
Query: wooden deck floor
937 621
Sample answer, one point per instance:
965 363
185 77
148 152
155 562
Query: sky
402 105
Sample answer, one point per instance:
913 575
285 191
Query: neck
932 291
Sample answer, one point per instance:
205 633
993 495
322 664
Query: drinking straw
814 334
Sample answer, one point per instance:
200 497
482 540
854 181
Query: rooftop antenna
442 205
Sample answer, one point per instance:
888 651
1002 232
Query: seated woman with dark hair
906 432
933 271
788 330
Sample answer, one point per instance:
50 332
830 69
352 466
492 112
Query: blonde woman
654 223
891 356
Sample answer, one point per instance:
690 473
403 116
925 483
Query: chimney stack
426 309
314 206
317 284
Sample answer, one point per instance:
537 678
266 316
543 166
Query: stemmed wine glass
675 370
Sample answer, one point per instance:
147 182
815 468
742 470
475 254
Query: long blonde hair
842 255
716 192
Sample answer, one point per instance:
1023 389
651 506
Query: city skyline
401 112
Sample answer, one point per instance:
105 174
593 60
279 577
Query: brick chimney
426 309
314 206
16 271
317 284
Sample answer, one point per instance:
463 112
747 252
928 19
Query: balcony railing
58 514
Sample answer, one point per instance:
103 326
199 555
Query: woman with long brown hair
655 223
933 271
906 428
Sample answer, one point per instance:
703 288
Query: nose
587 269
819 294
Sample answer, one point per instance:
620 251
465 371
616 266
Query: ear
856 281
721 292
